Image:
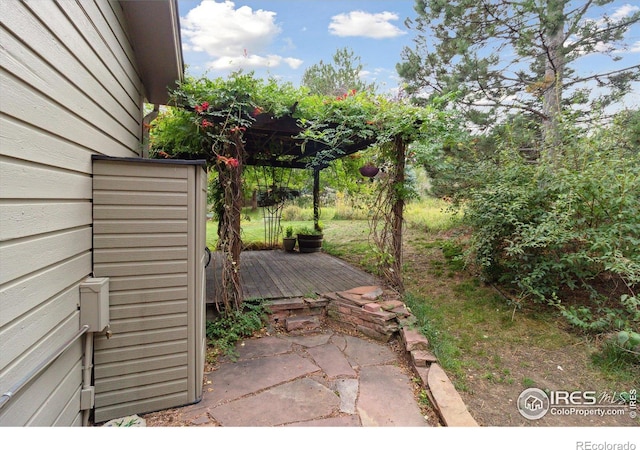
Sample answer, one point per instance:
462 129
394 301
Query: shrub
568 236
235 324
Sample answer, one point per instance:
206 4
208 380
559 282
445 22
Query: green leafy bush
568 236
226 330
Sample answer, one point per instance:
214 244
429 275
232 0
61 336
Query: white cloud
635 47
252 61
624 11
360 23
234 38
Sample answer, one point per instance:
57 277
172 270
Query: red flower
230 162
206 123
202 107
257 111
236 129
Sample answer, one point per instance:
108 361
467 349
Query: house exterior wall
70 89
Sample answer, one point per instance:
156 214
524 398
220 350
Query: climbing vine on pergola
242 121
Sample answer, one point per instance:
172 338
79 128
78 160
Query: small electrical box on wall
94 303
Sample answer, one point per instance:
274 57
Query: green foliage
307 230
567 236
505 56
225 331
288 232
338 78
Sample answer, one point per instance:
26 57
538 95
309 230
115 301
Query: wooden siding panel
19 297
140 379
31 181
24 257
32 325
105 372
140 352
69 52
28 405
140 240
25 142
150 404
100 32
19 220
61 103
28 66
56 119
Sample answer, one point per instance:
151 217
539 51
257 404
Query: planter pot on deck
309 243
289 243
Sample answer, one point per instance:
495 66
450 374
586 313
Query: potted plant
310 239
369 170
289 240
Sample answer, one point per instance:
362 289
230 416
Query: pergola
232 131
274 142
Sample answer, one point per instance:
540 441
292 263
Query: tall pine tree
518 55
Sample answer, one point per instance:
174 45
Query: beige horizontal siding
22 219
141 242
69 90
141 351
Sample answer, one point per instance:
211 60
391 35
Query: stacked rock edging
381 315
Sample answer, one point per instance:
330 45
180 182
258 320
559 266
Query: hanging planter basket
369 171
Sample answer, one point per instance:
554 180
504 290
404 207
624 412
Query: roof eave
154 29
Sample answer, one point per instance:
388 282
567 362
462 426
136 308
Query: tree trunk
398 212
553 78
229 232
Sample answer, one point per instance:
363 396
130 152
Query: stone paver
305 399
234 380
347 389
361 352
332 361
266 346
386 398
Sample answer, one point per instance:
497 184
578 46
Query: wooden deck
271 274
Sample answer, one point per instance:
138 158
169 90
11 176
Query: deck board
272 274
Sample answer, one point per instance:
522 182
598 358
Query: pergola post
316 198
400 147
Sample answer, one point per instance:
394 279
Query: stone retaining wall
380 315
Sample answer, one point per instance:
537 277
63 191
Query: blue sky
282 38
